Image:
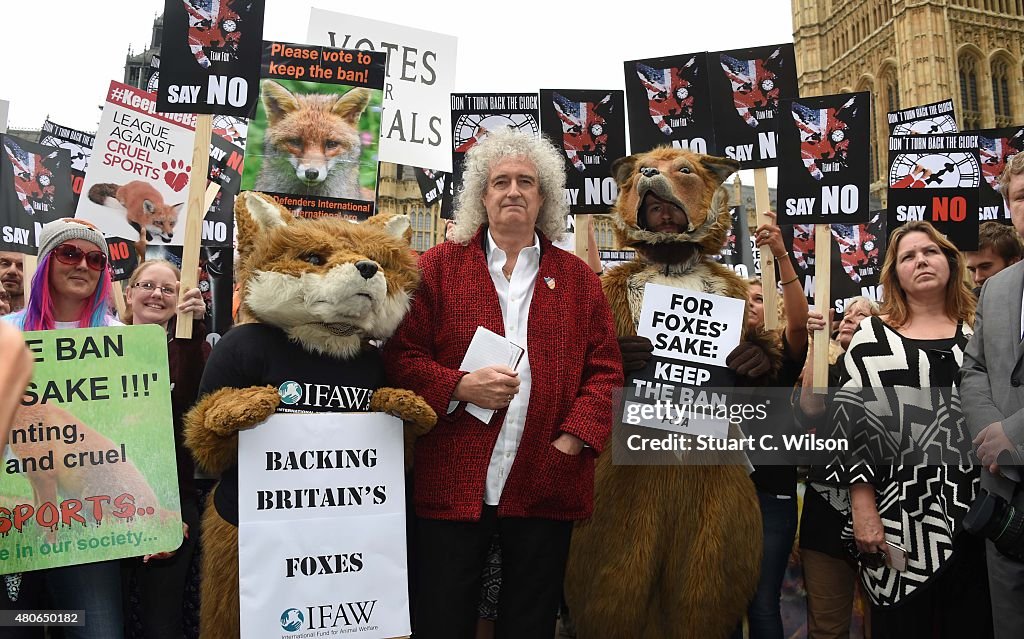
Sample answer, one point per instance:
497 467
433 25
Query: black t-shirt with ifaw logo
261 355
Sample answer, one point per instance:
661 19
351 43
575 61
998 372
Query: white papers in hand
488 349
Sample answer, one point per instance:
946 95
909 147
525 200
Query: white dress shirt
514 296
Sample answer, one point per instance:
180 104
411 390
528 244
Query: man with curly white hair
528 472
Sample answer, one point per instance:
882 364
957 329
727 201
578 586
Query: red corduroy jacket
575 363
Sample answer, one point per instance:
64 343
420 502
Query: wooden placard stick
763 203
28 271
822 300
119 303
196 213
582 233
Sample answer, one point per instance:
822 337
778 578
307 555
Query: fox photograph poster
669 102
824 159
747 86
35 188
210 56
313 141
935 178
589 128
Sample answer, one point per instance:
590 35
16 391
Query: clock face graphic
935 170
476 125
929 126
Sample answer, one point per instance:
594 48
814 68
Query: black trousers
450 559
954 606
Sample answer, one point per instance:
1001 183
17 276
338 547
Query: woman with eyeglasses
910 472
152 298
71 288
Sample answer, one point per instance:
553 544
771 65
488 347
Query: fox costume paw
412 409
212 426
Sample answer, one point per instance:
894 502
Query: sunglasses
72 256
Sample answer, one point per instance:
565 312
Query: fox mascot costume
670 551
318 291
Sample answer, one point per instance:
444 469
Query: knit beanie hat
59 231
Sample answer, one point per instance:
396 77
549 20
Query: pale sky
60 55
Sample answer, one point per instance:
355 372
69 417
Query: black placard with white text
824 159
669 102
589 127
746 88
935 178
926 119
995 148
210 56
35 188
78 144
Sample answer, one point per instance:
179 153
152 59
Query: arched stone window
1001 100
970 110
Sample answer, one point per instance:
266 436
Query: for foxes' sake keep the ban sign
35 188
416 127
747 86
139 173
669 102
926 119
995 148
210 56
589 126
91 473
824 159
935 178
313 141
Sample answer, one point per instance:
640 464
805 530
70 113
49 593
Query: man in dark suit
992 393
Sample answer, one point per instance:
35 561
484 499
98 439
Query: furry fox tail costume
670 551
318 291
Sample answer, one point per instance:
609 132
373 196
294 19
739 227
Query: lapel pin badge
550 281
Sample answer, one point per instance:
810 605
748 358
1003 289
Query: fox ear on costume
255 214
622 169
720 168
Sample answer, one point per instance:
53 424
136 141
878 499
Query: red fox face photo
754 86
669 96
312 142
584 130
823 136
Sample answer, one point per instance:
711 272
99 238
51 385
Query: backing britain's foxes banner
995 148
935 178
78 144
91 473
313 141
210 56
669 102
35 188
589 127
824 159
138 180
420 77
746 88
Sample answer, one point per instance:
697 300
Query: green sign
89 472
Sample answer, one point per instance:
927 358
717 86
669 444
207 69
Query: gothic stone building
911 52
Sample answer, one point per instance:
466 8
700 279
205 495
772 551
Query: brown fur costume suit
671 551
309 279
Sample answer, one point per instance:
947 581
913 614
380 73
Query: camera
991 517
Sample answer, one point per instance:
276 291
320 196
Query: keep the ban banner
90 473
314 139
210 56
692 334
747 86
589 127
935 178
669 102
824 159
321 535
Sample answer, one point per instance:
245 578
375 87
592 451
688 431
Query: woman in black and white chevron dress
910 470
